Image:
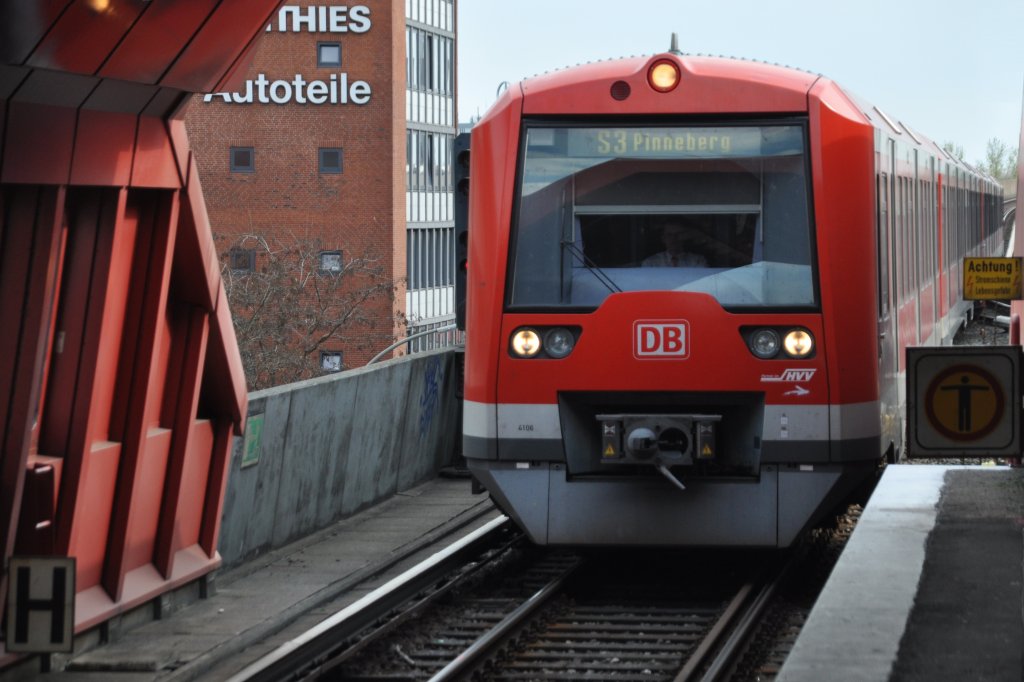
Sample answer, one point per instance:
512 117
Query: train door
887 329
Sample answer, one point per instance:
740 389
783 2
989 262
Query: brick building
327 180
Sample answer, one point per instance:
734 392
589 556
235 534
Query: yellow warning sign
964 402
706 452
992 278
609 451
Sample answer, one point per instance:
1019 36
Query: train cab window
719 210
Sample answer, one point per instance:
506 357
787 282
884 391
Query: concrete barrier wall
320 450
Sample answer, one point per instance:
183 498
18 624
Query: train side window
901 220
915 236
922 231
922 219
901 232
882 218
946 231
929 206
908 230
933 226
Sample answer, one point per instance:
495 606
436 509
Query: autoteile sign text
338 89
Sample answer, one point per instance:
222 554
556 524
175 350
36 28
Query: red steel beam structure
120 380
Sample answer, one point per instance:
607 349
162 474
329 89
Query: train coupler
661 440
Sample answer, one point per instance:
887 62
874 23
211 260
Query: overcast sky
951 69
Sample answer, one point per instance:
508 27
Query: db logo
660 339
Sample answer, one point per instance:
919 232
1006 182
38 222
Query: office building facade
327 178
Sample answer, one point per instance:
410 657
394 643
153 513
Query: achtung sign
992 278
963 401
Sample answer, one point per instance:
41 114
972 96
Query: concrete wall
331 446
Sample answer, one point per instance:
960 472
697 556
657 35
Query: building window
242 160
328 54
330 261
430 62
330 360
330 159
242 260
428 159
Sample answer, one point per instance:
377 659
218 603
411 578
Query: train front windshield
722 210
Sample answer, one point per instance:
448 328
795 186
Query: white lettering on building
323 19
336 90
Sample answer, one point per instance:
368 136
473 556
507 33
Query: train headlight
798 343
764 343
558 342
526 343
663 75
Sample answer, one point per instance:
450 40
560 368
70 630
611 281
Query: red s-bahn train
690 284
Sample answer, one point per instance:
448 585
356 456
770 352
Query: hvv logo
661 339
790 375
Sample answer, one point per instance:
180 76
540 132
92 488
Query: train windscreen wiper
591 266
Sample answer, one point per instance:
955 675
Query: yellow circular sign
964 403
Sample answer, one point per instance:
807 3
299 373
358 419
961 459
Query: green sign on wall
253 440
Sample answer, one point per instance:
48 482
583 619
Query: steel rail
736 637
298 653
465 662
696 659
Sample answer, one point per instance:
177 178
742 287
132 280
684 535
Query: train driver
673 237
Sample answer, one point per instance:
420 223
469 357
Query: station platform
929 586
267 601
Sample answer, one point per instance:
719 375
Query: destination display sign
676 142
992 279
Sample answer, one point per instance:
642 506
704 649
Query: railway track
383 608
586 622
499 608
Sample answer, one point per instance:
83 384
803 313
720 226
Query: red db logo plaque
661 339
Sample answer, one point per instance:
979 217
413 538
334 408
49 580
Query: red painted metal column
189 462
31 239
146 445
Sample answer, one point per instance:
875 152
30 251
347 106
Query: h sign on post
41 604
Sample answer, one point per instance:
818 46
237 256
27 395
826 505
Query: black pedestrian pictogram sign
963 401
40 604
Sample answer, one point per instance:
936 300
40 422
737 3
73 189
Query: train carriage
690 282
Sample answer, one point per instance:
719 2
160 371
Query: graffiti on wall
430 398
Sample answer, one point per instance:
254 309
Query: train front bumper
770 510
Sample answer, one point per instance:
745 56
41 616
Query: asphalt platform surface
929 586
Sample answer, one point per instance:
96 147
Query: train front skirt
770 510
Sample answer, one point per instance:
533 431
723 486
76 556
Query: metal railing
411 337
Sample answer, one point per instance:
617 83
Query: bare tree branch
286 309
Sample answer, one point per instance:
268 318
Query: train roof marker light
663 75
